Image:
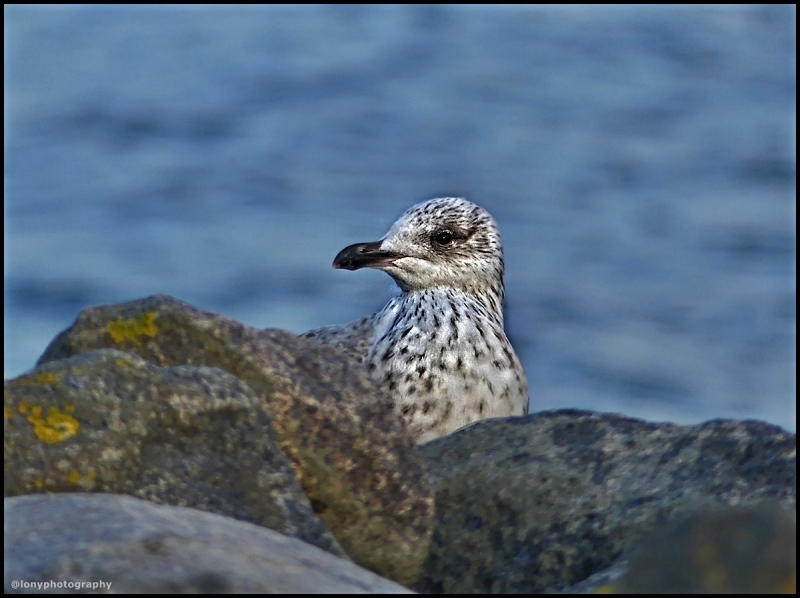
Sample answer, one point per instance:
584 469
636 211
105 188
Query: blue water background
641 163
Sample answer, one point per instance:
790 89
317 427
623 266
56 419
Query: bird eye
443 237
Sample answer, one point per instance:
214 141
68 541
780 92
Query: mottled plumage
438 347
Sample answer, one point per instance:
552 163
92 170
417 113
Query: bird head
441 243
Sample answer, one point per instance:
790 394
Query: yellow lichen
788 585
75 478
133 330
124 363
23 407
708 559
39 483
55 428
46 378
7 413
69 407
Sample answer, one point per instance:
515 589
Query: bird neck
485 304
490 297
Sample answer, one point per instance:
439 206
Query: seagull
438 347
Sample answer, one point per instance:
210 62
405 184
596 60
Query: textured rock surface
144 548
355 461
743 549
108 421
750 550
542 502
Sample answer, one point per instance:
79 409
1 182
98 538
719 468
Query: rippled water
640 161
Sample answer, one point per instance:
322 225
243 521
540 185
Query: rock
542 502
140 547
745 549
603 582
108 421
352 455
739 550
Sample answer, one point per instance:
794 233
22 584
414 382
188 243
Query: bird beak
363 255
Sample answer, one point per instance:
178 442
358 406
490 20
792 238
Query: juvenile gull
438 347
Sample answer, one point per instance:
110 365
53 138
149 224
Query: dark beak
363 255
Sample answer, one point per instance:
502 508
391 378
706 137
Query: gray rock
108 421
603 582
744 549
750 550
542 502
353 456
140 547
